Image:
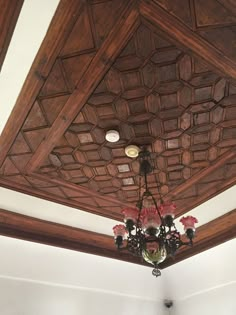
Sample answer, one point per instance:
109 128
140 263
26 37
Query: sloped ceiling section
9 14
159 73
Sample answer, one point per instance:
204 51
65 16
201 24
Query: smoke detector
132 151
112 136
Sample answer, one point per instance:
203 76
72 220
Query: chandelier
149 231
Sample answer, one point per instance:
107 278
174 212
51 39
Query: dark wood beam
206 171
86 191
110 49
195 179
62 23
27 228
187 38
9 13
106 212
48 233
203 197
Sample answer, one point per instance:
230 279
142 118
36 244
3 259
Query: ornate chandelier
149 231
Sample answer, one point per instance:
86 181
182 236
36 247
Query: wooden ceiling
161 72
9 13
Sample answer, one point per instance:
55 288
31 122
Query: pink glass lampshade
150 219
130 214
189 222
167 209
119 230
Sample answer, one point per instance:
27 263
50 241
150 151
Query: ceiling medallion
149 231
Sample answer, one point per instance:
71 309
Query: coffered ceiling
160 72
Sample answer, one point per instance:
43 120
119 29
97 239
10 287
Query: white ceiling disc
132 151
112 136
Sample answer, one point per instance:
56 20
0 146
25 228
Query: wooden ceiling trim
66 15
186 37
205 196
213 183
201 174
70 202
83 190
208 235
48 233
191 119
27 228
9 13
124 27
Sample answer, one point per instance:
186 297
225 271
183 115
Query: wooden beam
31 229
227 156
194 180
187 38
208 235
102 211
101 63
48 233
203 197
9 13
62 23
86 191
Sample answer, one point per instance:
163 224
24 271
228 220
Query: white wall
37 279
206 271
51 265
20 297
218 301
206 283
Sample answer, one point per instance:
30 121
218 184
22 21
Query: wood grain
146 79
211 234
183 206
48 233
189 130
31 229
107 209
229 4
191 40
64 19
102 61
206 171
9 13
83 190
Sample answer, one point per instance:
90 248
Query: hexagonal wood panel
156 95
156 71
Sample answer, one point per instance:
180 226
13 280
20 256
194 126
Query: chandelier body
149 227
